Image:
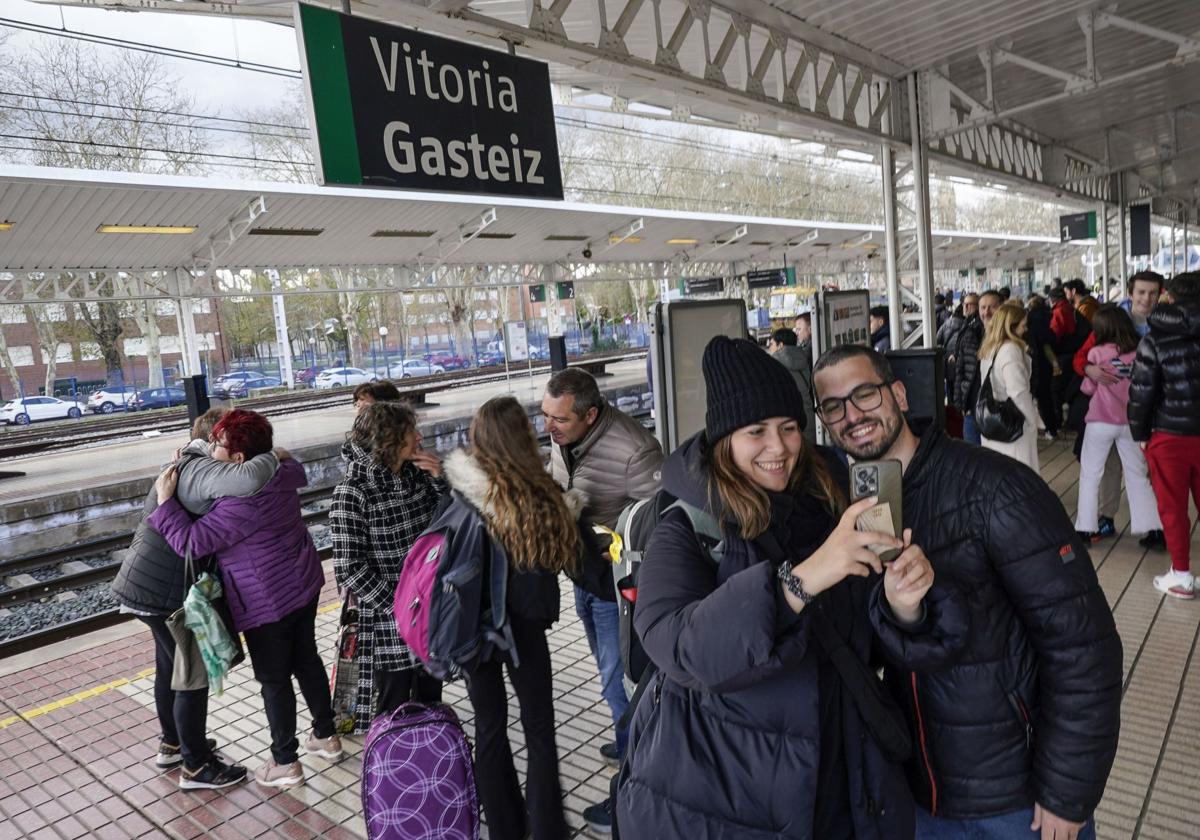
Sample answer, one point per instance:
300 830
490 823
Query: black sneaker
212 775
1153 541
1086 537
1106 528
610 755
170 755
599 817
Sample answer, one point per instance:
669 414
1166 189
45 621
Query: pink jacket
1109 402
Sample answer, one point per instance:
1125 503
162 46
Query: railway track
95 429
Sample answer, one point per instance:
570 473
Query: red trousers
1174 462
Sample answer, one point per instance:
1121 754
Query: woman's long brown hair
529 516
749 504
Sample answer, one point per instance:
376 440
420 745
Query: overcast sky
215 89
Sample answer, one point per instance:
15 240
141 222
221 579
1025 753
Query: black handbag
998 421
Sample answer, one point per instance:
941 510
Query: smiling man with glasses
1015 739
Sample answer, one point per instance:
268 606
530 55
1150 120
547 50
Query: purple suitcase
418 781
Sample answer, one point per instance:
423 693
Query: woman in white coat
1005 356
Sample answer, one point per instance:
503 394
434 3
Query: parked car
242 387
414 367
21 412
448 361
226 379
337 377
158 398
307 375
489 358
111 398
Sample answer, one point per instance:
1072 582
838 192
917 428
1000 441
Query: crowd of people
763 715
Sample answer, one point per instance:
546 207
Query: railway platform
78 732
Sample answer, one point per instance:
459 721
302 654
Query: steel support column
1102 225
920 162
185 318
283 341
1171 273
896 328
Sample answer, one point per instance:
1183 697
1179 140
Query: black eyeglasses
865 398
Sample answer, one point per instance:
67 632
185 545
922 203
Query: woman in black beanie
750 729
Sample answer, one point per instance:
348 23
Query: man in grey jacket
784 347
613 460
151 584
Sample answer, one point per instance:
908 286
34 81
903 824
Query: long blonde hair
528 514
749 503
1003 328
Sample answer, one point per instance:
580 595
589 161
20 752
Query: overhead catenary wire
168 52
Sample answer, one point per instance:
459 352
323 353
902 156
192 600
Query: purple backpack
449 603
418 782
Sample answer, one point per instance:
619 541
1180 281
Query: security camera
587 253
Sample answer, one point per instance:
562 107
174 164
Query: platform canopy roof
60 221
1089 99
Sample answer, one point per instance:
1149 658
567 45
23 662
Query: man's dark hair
879 312
993 293
1077 286
1005 293
939 299
382 391
845 352
1056 294
579 384
784 336
1185 288
1146 277
806 317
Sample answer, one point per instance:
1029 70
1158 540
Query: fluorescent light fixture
265 231
682 241
404 234
626 240
852 154
5 226
495 236
565 237
146 229
958 179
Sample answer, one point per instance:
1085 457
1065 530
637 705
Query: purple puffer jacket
269 565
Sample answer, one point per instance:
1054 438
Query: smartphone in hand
883 479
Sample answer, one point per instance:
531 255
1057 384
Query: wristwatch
794 584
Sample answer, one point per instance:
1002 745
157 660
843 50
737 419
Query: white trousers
1098 441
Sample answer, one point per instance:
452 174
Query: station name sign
393 107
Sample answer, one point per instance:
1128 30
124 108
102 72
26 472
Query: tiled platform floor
77 734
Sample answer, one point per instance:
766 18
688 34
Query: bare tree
279 140
9 367
47 338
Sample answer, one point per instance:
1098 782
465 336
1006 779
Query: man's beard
891 426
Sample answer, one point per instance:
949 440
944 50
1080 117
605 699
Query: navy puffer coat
1031 710
727 742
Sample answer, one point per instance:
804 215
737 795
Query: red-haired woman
272 578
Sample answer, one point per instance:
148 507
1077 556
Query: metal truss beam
220 242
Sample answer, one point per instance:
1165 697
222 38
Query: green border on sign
330 86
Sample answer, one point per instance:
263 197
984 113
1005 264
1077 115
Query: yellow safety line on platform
96 690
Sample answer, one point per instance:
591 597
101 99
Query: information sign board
1077 226
771 277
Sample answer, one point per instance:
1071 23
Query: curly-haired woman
535 524
384 502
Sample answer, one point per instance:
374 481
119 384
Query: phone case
885 480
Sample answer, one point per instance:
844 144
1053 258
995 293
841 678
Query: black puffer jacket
728 742
1031 710
965 389
1164 394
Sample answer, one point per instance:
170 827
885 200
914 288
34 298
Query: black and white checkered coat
375 518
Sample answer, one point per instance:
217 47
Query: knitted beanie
746 385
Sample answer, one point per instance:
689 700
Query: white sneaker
1176 584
